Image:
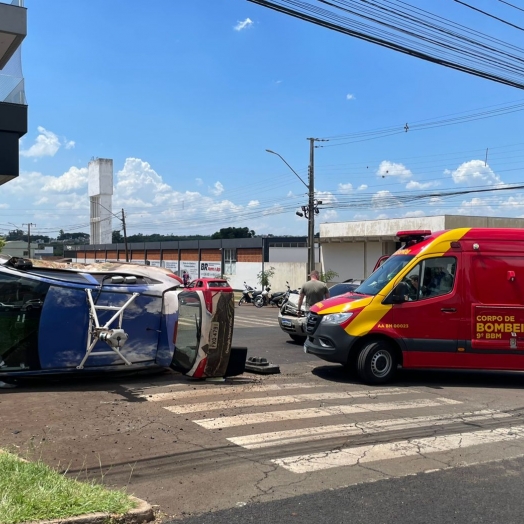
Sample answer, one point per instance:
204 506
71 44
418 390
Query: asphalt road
308 444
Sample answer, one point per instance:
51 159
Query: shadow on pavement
436 379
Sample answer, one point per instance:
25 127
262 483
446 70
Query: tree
328 276
117 237
2 243
264 276
234 232
16 234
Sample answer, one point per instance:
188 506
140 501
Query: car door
428 320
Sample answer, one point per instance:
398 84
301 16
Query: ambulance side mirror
398 295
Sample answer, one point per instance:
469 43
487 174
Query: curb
142 513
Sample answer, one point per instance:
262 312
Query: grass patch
32 491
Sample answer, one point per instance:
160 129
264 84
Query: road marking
256 321
224 390
295 414
400 449
294 436
284 399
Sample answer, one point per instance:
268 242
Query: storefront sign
191 267
210 269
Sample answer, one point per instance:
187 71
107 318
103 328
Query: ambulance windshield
383 275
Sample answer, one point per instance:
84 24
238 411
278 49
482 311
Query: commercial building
13 107
239 260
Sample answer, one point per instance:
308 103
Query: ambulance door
428 317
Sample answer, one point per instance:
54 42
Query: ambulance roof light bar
412 237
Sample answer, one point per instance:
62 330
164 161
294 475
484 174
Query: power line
415 32
488 14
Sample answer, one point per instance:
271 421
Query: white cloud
345 188
382 216
387 168
217 189
253 203
514 203
4 206
413 184
434 201
414 214
73 179
476 206
384 199
326 197
474 172
46 144
360 216
329 214
243 25
70 144
361 187
349 96
199 181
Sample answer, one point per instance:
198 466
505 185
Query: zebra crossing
341 426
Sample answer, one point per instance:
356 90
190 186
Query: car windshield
383 275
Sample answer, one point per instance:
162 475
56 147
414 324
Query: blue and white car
108 317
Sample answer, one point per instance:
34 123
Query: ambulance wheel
377 363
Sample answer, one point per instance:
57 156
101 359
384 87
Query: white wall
291 254
292 272
245 271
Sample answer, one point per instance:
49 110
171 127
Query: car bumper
330 343
292 325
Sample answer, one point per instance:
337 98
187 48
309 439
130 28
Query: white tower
100 190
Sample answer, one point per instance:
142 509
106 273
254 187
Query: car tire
299 339
377 363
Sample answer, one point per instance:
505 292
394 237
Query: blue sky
185 97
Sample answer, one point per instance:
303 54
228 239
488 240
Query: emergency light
412 237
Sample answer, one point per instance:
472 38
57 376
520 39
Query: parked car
294 325
210 285
34 303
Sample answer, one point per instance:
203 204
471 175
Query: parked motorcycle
275 299
248 295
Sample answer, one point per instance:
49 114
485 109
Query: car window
384 274
430 278
218 283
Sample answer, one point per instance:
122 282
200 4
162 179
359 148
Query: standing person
185 278
314 290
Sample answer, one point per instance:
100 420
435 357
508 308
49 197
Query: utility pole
311 207
29 238
125 234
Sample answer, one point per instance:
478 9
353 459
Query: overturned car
60 318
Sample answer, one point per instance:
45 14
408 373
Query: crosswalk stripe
294 436
284 399
225 390
295 414
400 449
256 321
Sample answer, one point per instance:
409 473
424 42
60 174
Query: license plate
213 335
286 322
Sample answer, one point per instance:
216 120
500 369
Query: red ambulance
451 299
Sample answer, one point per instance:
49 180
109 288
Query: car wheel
377 363
299 339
